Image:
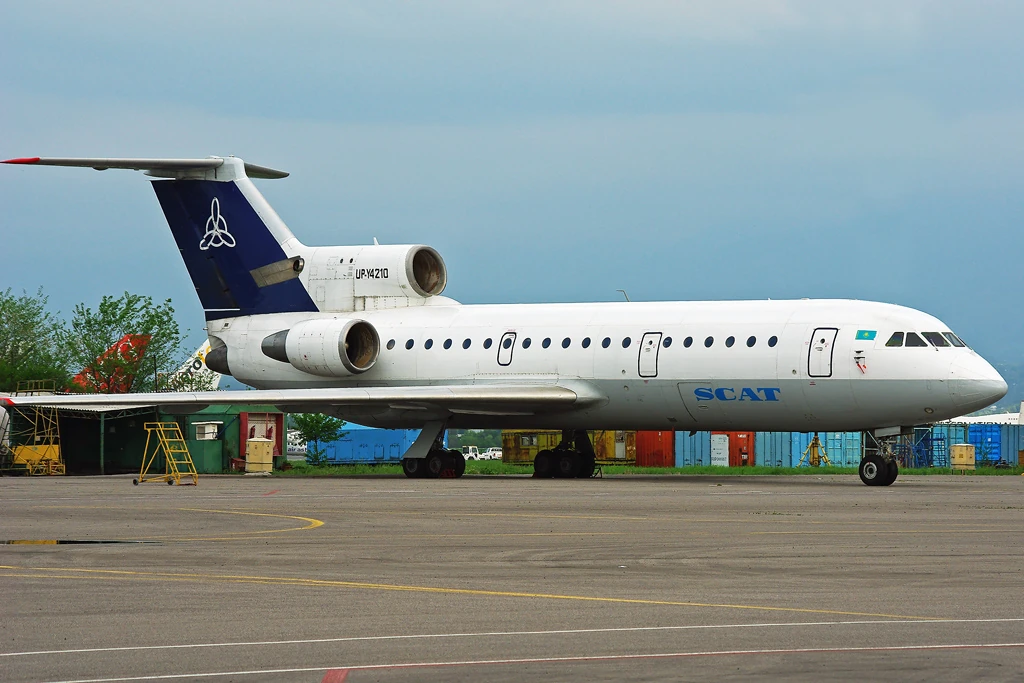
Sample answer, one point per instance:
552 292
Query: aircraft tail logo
217 234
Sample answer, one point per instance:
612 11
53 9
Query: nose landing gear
879 468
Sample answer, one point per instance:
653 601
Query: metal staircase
166 438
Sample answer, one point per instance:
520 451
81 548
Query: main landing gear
439 463
572 458
879 467
427 458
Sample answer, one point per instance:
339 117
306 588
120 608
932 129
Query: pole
103 434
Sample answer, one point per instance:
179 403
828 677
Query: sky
554 151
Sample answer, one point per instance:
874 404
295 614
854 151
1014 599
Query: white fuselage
791 365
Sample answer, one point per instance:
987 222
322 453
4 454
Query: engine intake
328 348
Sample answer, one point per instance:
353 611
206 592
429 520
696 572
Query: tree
127 344
30 341
316 429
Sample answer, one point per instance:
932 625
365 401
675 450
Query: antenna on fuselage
623 293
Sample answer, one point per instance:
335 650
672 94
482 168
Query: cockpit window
914 340
895 340
953 339
935 339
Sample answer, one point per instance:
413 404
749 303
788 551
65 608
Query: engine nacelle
350 278
330 348
398 270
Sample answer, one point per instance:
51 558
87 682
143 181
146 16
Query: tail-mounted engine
373 276
329 348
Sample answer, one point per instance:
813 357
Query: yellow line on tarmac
60 572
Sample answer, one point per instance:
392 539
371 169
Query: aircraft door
649 347
506 346
819 355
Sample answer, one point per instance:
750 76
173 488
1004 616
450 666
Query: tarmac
802 578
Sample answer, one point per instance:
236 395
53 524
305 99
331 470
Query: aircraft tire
544 465
458 463
587 467
873 470
893 471
414 467
437 462
568 465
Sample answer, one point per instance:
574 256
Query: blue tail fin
241 257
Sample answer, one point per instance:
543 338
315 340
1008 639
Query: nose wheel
876 470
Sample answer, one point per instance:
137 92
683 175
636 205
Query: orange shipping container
655 449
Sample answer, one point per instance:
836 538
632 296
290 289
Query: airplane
363 333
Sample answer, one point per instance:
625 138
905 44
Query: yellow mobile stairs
166 438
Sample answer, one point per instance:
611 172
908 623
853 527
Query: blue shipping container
693 450
842 448
773 449
1011 443
368 445
987 440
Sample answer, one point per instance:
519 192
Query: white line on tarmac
548 660
427 636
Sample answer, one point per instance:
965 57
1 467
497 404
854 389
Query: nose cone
974 384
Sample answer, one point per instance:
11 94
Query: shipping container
655 449
741 447
520 446
987 440
773 449
843 449
1011 443
693 450
367 445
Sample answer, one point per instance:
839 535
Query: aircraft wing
474 399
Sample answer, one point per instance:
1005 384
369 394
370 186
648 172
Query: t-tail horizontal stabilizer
228 235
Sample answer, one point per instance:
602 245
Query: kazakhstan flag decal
868 335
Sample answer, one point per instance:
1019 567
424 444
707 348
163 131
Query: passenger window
935 339
895 340
487 343
709 341
507 343
751 341
953 339
391 344
466 344
688 342
526 343
914 340
626 342
566 342
409 344
586 342
447 343
667 343
606 342
546 343
427 344
730 341
773 341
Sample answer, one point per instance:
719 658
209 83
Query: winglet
22 160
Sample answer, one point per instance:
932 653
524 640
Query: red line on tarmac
270 493
335 676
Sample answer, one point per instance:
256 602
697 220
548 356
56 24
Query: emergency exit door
819 354
649 347
506 346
